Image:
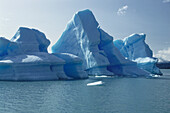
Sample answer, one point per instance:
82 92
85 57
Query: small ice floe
153 76
102 76
156 76
98 83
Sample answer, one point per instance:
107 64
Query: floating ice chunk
102 76
98 83
6 61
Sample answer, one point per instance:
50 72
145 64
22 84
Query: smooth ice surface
83 37
102 76
134 48
98 83
25 57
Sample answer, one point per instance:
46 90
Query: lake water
117 95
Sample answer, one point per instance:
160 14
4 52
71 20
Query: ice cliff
25 57
135 49
84 37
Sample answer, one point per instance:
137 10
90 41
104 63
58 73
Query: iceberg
135 49
148 64
25 57
83 37
134 46
83 49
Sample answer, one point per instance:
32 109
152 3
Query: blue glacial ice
25 57
83 37
73 65
83 49
135 49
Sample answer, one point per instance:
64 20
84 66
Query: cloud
163 55
122 10
166 1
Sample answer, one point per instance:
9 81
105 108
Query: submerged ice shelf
83 49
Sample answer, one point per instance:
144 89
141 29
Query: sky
119 18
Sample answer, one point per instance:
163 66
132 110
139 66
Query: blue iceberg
135 49
25 57
83 49
83 37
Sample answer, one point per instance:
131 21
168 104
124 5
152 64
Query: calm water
117 95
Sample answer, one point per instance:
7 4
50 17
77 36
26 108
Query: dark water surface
117 95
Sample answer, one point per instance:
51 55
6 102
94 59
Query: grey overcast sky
119 18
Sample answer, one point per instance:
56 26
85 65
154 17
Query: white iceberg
98 83
101 76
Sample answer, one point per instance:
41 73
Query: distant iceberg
83 37
135 49
25 57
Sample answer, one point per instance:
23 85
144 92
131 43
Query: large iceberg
25 57
83 49
83 37
134 48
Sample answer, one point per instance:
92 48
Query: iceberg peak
133 38
83 37
31 40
